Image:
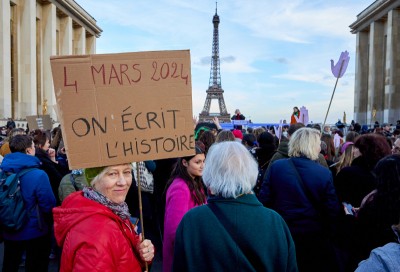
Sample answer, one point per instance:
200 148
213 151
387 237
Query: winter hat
344 146
91 173
198 130
238 134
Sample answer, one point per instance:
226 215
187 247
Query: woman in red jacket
93 226
295 117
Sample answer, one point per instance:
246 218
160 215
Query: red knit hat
238 134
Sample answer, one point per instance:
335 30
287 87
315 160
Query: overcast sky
274 54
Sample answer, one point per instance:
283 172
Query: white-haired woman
233 232
302 192
93 226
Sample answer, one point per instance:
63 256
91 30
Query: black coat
354 182
374 221
55 171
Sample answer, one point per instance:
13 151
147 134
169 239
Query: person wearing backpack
47 157
33 237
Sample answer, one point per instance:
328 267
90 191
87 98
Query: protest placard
39 122
120 108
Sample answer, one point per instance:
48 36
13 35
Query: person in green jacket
75 181
233 232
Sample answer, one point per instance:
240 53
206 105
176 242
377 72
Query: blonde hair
345 159
305 142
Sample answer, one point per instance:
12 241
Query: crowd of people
307 199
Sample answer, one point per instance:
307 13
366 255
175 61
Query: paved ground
53 266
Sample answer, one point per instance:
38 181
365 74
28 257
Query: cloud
295 20
281 60
273 54
204 61
228 59
207 60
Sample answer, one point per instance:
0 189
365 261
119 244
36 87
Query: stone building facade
377 79
30 32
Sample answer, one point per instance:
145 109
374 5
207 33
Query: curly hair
373 147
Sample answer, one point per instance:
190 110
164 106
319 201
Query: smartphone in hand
348 209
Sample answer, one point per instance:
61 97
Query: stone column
66 36
49 23
79 41
376 72
90 44
392 73
26 104
5 57
361 79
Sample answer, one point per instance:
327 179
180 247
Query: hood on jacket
75 209
15 162
283 148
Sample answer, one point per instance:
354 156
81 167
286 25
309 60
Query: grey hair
230 170
305 142
105 170
100 176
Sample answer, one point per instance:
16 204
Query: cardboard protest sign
120 108
39 122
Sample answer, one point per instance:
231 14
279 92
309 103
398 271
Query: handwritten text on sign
123 74
124 107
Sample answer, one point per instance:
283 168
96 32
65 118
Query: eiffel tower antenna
215 90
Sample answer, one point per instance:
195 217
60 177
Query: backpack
13 214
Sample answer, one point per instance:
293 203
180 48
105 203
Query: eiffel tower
215 90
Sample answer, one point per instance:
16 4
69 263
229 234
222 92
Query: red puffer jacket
93 238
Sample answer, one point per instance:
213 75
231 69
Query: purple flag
339 69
